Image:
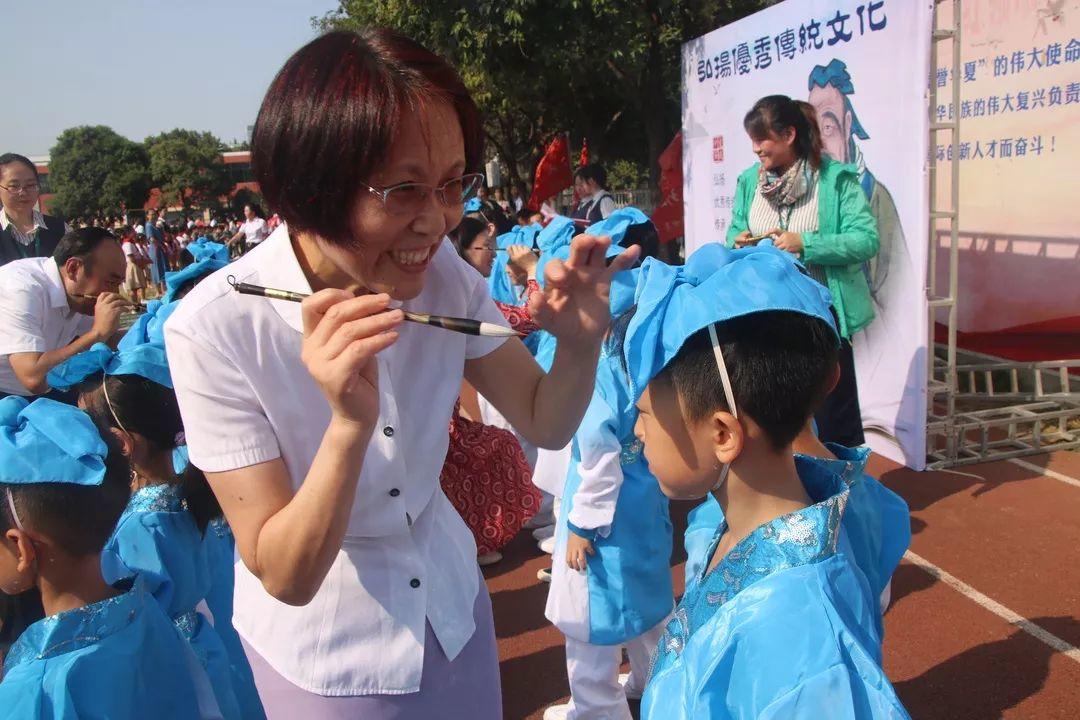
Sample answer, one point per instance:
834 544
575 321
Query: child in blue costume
876 527
102 651
611 581
162 536
727 357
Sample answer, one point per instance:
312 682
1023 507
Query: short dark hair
256 210
593 171
81 243
466 232
779 362
778 113
78 518
329 118
8 158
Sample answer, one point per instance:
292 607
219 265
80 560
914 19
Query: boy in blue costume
611 582
727 358
163 535
102 651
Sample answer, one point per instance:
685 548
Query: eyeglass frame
439 191
22 189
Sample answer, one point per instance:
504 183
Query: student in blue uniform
876 524
102 651
728 356
611 581
162 534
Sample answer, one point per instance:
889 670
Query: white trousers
593 671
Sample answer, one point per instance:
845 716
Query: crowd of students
254 507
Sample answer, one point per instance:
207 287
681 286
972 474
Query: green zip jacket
847 237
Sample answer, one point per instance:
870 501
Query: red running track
1009 533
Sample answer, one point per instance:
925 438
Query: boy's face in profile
681 455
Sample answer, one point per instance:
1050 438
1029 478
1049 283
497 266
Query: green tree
97 173
606 70
186 166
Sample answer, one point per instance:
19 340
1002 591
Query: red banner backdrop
552 173
668 216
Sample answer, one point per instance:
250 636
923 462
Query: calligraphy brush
461 325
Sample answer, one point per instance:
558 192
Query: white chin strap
14 512
729 396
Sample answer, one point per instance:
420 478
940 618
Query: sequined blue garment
119 658
157 540
782 627
625 514
876 529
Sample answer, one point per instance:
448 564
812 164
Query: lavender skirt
468 687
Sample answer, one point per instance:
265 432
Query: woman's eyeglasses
410 198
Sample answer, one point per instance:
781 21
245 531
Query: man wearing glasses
24 231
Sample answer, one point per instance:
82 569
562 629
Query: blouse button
394 492
388 431
415 582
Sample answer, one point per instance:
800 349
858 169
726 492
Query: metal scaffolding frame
988 409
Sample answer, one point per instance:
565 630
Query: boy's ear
834 379
22 545
728 436
127 442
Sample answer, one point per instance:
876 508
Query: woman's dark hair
330 116
777 113
466 232
78 518
150 410
594 172
780 363
256 210
8 158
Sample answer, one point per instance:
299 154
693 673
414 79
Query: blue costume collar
75 629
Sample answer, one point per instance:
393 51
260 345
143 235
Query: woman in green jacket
814 208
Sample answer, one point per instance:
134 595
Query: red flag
552 173
668 216
584 159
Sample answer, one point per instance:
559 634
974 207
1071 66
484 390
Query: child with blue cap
164 536
727 358
103 650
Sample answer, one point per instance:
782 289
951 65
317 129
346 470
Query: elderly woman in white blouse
322 425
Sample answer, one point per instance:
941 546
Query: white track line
1046 471
1036 631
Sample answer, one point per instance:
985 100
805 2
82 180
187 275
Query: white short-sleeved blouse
407 557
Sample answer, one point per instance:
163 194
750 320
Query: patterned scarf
787 189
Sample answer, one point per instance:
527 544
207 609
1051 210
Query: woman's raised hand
342 335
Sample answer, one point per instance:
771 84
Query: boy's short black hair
78 518
593 171
779 362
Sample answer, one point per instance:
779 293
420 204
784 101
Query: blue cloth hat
616 224
473 205
555 239
716 284
149 327
519 235
176 280
49 442
205 249
147 360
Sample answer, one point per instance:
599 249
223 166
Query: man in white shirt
53 308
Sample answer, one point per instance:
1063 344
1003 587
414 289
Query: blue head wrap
473 205
836 74
149 327
205 249
716 284
49 442
147 360
499 282
555 239
175 280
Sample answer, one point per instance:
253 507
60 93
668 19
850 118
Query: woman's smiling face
392 252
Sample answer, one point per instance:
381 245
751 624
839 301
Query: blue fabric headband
150 327
204 249
147 360
716 284
175 280
49 442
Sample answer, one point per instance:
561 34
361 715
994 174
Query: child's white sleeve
600 471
